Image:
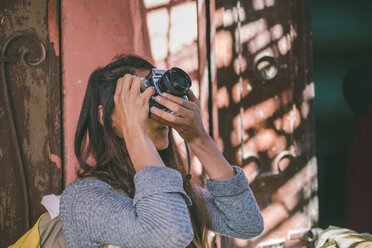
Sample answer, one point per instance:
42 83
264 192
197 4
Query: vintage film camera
173 81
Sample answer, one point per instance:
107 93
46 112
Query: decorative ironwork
27 48
277 166
28 55
266 68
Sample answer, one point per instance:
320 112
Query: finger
176 108
179 100
136 85
146 95
143 86
127 83
159 119
119 86
191 96
166 116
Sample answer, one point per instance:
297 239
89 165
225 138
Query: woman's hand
187 122
132 105
189 125
132 111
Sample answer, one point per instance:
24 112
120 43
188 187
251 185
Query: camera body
173 81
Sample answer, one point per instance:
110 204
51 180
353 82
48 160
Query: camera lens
175 81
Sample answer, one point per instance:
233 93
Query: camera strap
188 176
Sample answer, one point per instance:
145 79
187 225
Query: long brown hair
102 154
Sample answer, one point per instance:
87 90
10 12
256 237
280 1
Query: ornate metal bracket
32 52
266 68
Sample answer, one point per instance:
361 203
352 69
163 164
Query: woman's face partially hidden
157 131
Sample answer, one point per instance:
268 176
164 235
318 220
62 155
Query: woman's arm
131 110
188 124
93 213
231 207
213 161
229 201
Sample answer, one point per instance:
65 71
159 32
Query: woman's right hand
132 112
132 105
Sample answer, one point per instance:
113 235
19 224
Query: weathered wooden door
30 113
254 81
263 100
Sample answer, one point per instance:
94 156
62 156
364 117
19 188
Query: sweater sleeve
93 213
231 207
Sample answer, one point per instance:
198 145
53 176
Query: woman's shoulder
86 184
83 195
80 190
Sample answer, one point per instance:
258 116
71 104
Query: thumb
191 96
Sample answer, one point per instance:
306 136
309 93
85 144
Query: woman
120 148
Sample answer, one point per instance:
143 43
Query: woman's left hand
187 122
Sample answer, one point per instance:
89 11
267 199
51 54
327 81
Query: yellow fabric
48 233
30 239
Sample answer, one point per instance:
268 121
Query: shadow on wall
259 122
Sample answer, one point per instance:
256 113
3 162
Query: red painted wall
93 32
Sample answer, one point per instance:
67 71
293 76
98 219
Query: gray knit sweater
93 213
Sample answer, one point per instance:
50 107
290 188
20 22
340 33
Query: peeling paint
53 25
35 109
29 18
40 182
2 112
55 159
3 206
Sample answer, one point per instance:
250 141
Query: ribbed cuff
158 179
233 186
